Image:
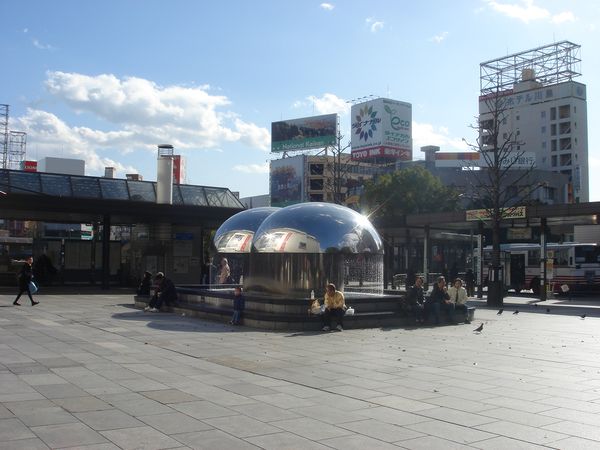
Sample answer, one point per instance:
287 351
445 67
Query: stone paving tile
406 404
167 396
457 417
521 417
571 415
44 416
13 428
574 443
214 440
265 412
311 428
521 405
451 432
108 419
358 443
285 441
513 430
382 431
504 443
67 435
329 414
53 391
203 409
432 442
146 438
174 423
590 432
140 407
25 444
241 426
571 404
284 401
5 413
81 404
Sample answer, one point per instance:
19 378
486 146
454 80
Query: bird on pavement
583 316
500 311
516 312
547 310
479 329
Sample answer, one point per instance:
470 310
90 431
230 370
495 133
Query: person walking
25 277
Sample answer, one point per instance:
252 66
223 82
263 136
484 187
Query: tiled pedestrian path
89 371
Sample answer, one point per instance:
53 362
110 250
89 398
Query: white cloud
252 168
327 6
374 25
329 104
37 44
187 117
526 11
25 30
137 115
54 137
427 134
563 17
438 38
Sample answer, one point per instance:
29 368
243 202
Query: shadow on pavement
172 322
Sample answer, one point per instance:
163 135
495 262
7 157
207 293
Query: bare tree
496 186
338 168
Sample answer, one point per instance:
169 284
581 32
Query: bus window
561 257
533 257
587 255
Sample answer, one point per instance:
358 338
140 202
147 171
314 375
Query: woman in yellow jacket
335 306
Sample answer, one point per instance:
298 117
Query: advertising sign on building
517 160
287 181
304 133
178 169
517 212
29 166
382 128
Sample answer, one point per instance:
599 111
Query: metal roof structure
551 64
69 198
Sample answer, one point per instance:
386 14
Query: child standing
238 306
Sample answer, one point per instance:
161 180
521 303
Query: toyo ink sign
382 127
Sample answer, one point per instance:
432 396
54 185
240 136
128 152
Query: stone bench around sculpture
288 314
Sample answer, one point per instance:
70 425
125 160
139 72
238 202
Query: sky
109 81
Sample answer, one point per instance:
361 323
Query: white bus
576 265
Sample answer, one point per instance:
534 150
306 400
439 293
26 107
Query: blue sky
108 81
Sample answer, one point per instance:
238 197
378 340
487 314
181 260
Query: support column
106 251
426 255
543 259
480 261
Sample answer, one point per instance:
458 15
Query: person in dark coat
470 282
239 304
165 293
146 284
25 277
415 299
439 302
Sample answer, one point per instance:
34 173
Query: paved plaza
89 371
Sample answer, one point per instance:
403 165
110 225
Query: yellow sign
517 212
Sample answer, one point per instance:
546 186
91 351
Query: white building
545 111
67 166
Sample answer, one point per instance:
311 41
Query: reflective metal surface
317 228
236 233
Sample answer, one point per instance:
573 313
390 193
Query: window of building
488 124
316 197
575 142
544 129
316 169
518 147
553 163
543 114
553 113
554 145
564 128
574 109
518 132
564 111
544 145
316 184
565 144
518 117
568 173
565 160
553 129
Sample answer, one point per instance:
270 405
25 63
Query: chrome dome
236 233
316 228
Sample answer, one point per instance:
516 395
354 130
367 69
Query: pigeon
583 316
547 310
535 305
500 311
516 311
479 329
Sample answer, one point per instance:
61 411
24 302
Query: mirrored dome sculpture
317 228
236 233
303 247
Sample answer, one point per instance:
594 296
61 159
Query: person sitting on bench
165 293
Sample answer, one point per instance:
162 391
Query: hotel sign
517 212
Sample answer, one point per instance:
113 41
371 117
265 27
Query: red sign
177 169
381 152
30 166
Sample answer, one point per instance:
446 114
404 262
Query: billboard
287 180
517 161
382 128
304 133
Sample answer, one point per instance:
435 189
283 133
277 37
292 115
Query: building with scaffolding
12 143
544 112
